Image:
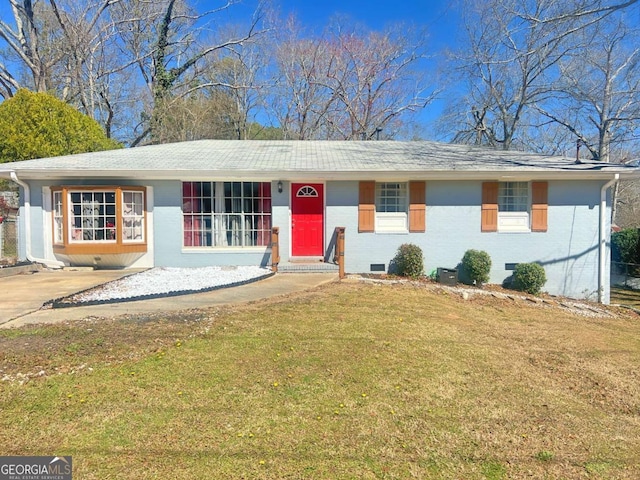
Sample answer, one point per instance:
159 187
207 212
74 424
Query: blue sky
437 16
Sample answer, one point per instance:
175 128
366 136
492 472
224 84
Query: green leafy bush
625 245
477 265
409 261
37 125
529 277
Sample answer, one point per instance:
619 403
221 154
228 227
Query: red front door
307 219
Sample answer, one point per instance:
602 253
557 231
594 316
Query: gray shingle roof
311 159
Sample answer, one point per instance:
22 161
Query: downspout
602 236
27 226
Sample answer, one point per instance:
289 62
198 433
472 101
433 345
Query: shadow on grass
625 296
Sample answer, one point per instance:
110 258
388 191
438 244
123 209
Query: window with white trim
58 218
132 216
391 207
307 191
514 202
226 214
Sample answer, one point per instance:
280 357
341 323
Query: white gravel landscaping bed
166 281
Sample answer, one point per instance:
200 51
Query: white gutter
602 236
27 226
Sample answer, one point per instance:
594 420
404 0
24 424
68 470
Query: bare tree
28 39
87 53
50 38
241 72
598 92
349 83
627 205
66 47
514 56
374 78
175 56
299 100
579 13
509 60
202 114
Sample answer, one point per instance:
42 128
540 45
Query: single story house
215 202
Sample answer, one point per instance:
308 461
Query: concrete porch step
311 267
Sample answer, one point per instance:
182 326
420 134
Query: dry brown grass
349 381
625 296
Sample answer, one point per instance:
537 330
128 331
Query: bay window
99 219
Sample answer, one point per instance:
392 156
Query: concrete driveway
25 293
22 296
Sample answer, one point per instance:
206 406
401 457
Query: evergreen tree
38 125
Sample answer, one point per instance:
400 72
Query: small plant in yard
544 456
494 471
529 278
477 265
409 261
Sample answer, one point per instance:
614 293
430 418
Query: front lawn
350 381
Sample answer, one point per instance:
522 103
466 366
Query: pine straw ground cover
349 381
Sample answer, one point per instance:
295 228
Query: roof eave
353 175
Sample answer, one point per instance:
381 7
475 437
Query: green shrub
477 265
625 245
409 261
38 125
529 277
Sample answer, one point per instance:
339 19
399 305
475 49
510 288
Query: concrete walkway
22 296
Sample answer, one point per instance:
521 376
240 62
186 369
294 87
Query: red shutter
489 207
417 207
539 206
367 207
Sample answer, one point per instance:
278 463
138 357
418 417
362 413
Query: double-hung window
514 206
226 214
391 207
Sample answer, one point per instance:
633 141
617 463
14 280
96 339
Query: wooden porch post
275 248
340 251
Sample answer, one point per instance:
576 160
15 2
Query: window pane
391 197
58 218
234 214
391 207
133 225
92 216
513 197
